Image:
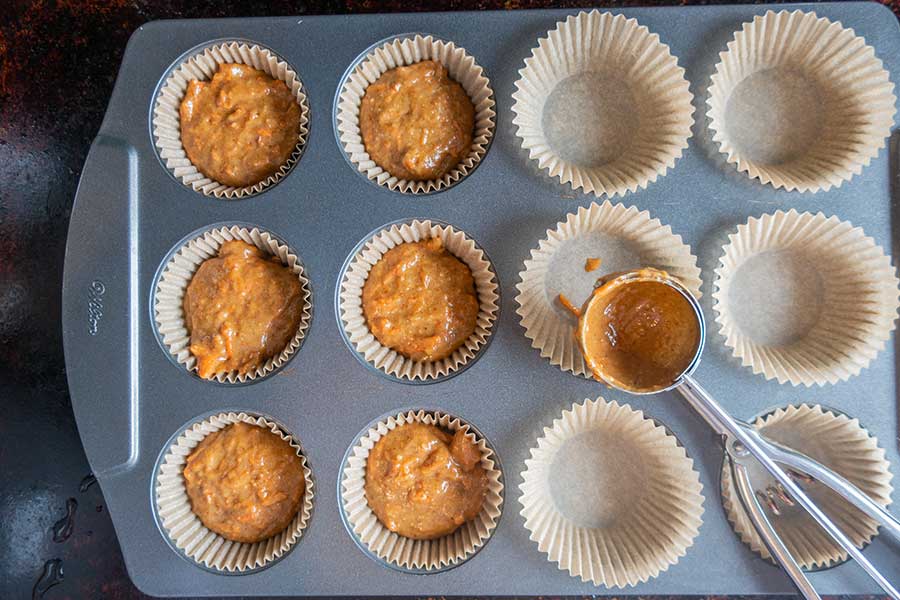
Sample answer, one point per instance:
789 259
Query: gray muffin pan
129 398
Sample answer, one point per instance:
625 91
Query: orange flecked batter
420 300
424 483
240 127
241 308
244 482
416 122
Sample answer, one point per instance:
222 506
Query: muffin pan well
174 276
130 212
405 50
201 64
405 554
351 318
186 533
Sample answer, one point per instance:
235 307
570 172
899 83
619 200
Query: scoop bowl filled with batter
640 331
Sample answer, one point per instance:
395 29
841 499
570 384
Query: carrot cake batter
240 127
424 483
244 482
241 308
420 300
416 122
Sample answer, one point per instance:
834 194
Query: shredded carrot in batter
592 264
567 304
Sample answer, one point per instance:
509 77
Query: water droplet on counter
63 528
52 575
86 483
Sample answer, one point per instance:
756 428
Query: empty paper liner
804 298
837 442
176 275
353 320
602 104
392 549
800 102
185 530
402 51
201 67
623 239
610 495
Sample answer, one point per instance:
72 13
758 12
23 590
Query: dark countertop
58 62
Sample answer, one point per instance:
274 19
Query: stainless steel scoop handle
741 439
804 464
767 533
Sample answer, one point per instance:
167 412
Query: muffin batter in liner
353 319
202 67
800 102
595 64
839 443
176 276
402 51
185 530
407 553
639 497
828 297
623 238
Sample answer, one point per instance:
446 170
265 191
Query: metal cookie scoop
744 443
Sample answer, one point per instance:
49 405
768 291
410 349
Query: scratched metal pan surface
130 212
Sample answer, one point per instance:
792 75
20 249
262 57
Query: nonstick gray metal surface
130 212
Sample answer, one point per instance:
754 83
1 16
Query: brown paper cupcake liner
202 66
176 275
623 238
800 102
421 556
805 298
610 495
839 443
603 105
353 321
184 529
402 51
